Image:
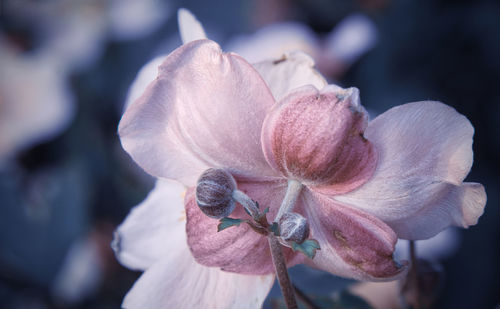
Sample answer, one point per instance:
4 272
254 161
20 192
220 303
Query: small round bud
293 227
214 191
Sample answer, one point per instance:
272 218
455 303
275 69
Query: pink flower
273 126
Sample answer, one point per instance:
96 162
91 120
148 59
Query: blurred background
65 71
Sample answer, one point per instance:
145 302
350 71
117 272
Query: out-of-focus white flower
441 246
35 102
80 273
132 19
345 44
73 31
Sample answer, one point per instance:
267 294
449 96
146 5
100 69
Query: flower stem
281 272
414 275
292 192
247 203
304 298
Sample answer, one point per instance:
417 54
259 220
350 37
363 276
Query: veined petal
205 109
153 228
295 69
451 205
353 243
425 152
237 249
317 138
189 27
183 283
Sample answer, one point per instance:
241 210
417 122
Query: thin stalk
247 203
292 192
282 273
304 298
414 274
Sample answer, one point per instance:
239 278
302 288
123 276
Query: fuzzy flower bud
293 227
214 191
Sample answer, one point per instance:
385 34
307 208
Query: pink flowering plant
254 161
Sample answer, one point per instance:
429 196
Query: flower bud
293 227
316 137
214 191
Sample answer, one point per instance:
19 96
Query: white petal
425 152
153 229
189 27
146 75
180 282
293 70
35 102
351 38
131 19
273 41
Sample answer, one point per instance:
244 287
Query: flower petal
205 109
351 38
237 249
317 138
181 282
275 40
129 19
293 70
452 205
153 227
144 77
189 27
425 152
353 243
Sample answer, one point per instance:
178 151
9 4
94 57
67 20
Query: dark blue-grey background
427 49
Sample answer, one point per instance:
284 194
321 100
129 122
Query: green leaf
308 247
226 222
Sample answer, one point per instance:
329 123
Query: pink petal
236 249
353 243
317 138
451 205
152 228
182 283
425 152
291 71
205 109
